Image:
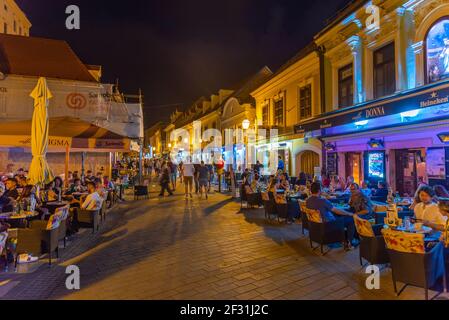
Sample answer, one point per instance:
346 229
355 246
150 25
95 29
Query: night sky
179 50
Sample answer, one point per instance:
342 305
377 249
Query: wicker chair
37 240
304 220
269 205
411 264
64 212
324 233
88 219
372 243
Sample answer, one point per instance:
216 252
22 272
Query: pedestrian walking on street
203 179
188 173
165 181
173 173
195 175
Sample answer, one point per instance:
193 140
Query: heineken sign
417 99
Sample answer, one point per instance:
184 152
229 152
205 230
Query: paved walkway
175 249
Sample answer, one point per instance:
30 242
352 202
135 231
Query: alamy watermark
73 281
73 21
373 280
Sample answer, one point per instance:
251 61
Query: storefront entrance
308 161
354 166
406 171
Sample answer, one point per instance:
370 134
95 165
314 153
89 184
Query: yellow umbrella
40 172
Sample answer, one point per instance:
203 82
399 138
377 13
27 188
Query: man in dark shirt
329 213
381 194
11 189
203 179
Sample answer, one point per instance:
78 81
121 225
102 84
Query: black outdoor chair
282 211
418 268
141 191
88 219
269 205
37 240
252 199
304 220
372 244
324 233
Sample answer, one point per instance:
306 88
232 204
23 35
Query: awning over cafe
65 132
406 102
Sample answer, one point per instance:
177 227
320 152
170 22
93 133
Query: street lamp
245 124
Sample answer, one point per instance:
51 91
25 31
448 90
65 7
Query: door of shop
354 166
406 171
309 160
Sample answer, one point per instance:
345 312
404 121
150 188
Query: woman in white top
427 210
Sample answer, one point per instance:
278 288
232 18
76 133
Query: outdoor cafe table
430 235
78 195
17 219
53 205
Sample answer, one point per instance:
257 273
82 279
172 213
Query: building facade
13 20
290 96
386 93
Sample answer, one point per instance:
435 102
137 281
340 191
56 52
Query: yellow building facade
13 20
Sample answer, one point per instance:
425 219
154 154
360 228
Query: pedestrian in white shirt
427 210
188 173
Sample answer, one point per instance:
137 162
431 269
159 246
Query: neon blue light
361 123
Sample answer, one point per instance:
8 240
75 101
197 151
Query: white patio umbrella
40 172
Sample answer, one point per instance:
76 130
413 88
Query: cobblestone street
175 249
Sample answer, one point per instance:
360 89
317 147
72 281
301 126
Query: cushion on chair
404 242
363 227
265 196
280 199
3 238
54 221
248 190
314 215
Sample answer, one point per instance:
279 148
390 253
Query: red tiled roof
29 56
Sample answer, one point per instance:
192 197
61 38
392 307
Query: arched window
437 51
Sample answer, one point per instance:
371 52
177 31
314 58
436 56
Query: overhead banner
91 102
414 100
76 144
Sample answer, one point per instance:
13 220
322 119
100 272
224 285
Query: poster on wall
437 45
376 165
332 164
436 164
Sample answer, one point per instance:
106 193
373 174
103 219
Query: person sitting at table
100 189
427 209
99 177
255 184
59 184
443 207
440 192
349 181
283 183
302 180
11 188
108 184
330 213
76 186
326 181
381 193
21 182
335 184
6 203
92 201
50 193
89 177
360 204
365 189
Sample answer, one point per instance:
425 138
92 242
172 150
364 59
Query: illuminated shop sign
401 104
